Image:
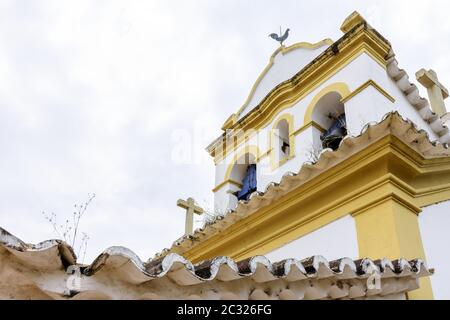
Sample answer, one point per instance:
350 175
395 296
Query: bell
285 147
333 136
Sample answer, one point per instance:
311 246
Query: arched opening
329 113
282 143
244 172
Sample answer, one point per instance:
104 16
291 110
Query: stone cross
436 91
191 208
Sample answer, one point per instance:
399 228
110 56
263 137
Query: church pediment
284 63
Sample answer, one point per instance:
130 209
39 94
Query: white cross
436 91
191 208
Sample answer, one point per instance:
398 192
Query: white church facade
363 87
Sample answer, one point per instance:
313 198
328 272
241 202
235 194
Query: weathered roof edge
67 254
412 94
220 267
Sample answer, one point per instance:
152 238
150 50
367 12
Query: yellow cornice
361 40
388 197
388 168
363 87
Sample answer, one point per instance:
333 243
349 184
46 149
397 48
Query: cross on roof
436 91
191 209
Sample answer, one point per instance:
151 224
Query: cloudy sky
94 96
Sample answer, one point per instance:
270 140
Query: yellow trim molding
306 126
339 87
265 154
364 86
218 187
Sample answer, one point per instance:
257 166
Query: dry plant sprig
68 231
209 215
313 153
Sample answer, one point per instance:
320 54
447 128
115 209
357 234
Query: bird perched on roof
280 38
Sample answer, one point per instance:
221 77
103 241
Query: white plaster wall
303 144
264 174
354 74
372 105
368 106
224 199
284 67
333 241
434 224
221 169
